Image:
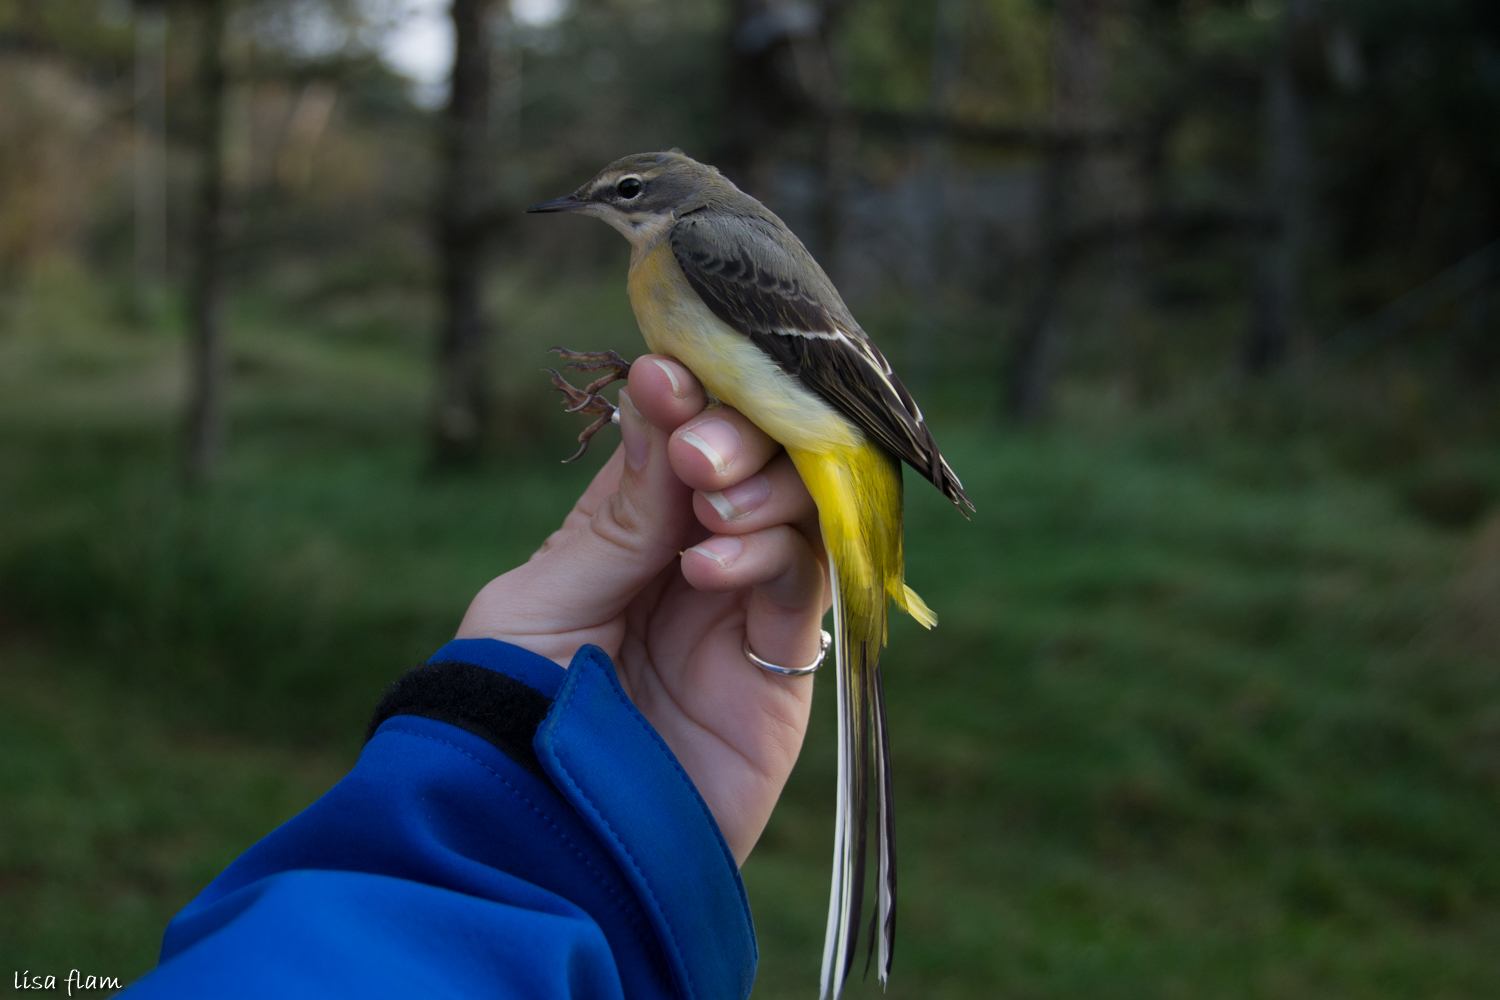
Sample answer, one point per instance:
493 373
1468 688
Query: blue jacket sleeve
511 829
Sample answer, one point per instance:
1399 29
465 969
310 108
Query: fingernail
719 442
722 549
741 498
634 432
671 377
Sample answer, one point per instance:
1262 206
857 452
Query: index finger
664 391
711 448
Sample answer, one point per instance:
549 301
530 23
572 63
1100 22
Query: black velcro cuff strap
491 705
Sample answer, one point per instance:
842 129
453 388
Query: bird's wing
746 274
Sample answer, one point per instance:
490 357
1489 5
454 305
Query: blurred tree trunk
1036 345
1077 92
462 405
780 73
1478 339
150 156
839 149
840 143
924 263
1273 304
1148 164
205 417
761 83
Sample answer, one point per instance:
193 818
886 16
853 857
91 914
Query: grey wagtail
721 284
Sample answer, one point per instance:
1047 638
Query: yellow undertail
858 493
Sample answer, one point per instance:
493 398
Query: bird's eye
629 187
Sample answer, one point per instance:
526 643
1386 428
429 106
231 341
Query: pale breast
675 321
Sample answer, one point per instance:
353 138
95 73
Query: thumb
574 590
635 531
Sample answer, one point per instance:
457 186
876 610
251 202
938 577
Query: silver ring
824 641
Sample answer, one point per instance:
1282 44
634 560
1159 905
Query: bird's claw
587 400
576 400
610 362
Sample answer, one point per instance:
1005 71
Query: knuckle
625 526
618 523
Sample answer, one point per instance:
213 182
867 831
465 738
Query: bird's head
643 194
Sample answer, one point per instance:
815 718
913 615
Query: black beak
567 203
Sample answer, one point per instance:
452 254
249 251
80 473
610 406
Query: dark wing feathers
756 277
737 285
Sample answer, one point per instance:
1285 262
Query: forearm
510 827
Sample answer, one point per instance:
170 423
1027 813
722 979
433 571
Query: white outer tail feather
842 924
836 939
883 958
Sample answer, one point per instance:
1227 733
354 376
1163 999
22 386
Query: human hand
676 628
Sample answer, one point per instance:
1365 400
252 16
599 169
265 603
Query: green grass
114 818
1206 716
1176 735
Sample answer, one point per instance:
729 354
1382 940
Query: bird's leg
587 399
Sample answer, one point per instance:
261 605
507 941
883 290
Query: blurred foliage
1213 710
54 128
1401 99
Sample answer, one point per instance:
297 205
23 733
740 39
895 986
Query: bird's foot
587 400
609 362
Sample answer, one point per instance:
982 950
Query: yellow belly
675 321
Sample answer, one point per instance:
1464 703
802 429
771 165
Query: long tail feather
887 931
863 739
835 940
858 493
859 781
